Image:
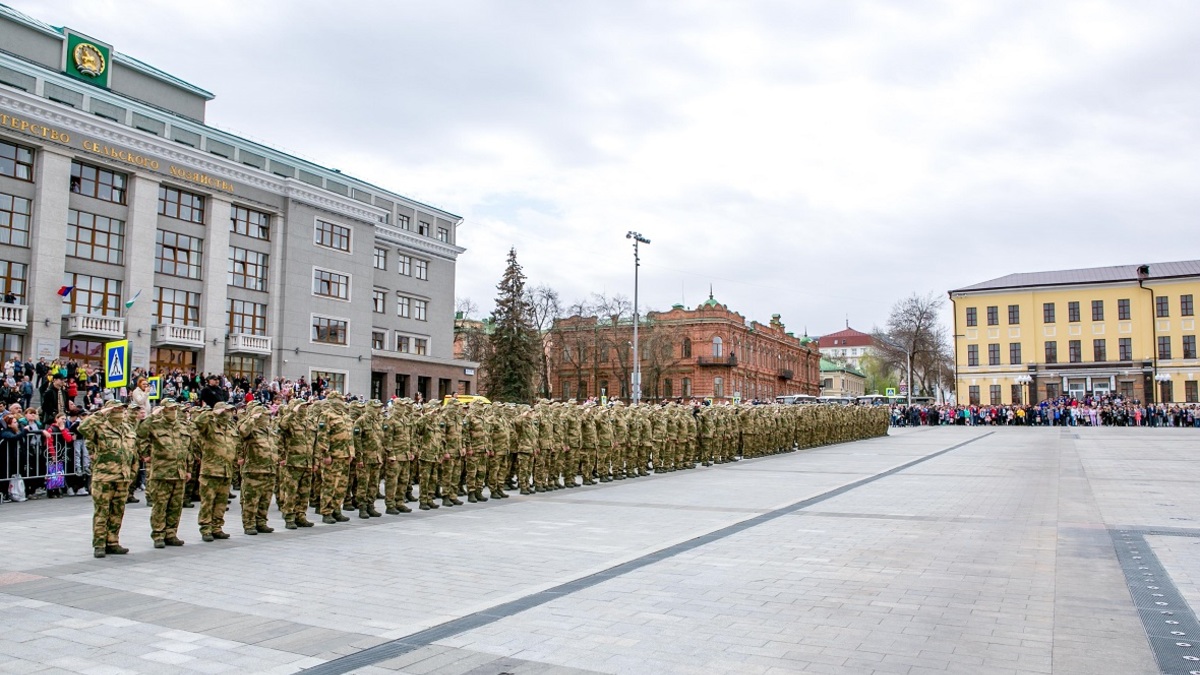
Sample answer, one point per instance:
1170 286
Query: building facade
707 352
208 252
1128 330
841 379
848 346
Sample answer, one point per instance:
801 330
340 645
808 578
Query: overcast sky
819 160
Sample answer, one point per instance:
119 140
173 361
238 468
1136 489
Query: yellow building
1128 330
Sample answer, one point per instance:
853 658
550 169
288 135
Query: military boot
471 498
373 512
302 521
116 549
340 518
479 496
250 531
425 506
392 511
159 543
450 501
220 535
289 523
403 509
526 491
174 541
328 519
362 513
206 536
264 528
98 552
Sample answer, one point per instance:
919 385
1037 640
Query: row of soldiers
334 455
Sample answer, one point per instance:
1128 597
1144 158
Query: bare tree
658 344
544 308
465 308
914 330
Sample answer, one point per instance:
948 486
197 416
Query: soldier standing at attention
369 457
166 438
477 449
398 457
452 463
113 463
297 432
527 440
258 458
430 431
217 445
335 450
498 433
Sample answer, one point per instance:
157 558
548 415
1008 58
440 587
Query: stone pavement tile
309 641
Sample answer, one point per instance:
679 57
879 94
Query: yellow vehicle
463 399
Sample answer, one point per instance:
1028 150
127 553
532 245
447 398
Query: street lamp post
636 384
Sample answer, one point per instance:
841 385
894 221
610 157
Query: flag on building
129 302
64 291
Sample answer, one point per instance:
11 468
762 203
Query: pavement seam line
424 638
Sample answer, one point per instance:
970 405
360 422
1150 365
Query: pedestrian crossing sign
891 392
155 387
116 364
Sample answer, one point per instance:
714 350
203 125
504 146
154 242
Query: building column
213 309
49 248
141 229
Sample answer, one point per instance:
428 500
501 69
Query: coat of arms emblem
88 59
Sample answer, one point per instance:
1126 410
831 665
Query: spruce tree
511 362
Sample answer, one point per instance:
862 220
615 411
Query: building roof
1089 275
846 338
828 366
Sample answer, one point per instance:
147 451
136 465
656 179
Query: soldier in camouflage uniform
544 455
452 460
297 435
216 445
113 465
166 438
398 457
527 445
368 444
258 458
334 452
478 452
429 430
572 443
499 432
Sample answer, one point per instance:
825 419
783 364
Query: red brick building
710 351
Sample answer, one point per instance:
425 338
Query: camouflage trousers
257 489
524 469
585 464
476 471
451 476
541 469
497 472
294 488
214 499
166 504
333 485
562 466
397 478
368 485
428 478
108 510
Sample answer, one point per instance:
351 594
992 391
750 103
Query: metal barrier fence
34 455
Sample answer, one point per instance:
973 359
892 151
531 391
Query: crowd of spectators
1108 411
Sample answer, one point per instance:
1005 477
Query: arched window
717 345
718 387
687 348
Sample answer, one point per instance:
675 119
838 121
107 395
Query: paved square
945 550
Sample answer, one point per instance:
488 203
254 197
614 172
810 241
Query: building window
972 355
12 347
420 308
1190 393
1189 346
248 368
378 300
1162 306
1014 353
717 346
1125 349
443 234
16 161
1168 392
329 235
181 308
1072 311
1123 309
95 237
330 284
247 318
401 385
250 223
668 388
14 220
422 228
973 394
1014 315
1099 350
993 354
1164 347
404 307
993 315
403 343
403 222
380 258
421 346
1075 351
12 279
177 255
180 204
1047 312
972 317
328 331
718 388
422 269
994 395
685 348
331 381
1016 393
1051 352
1185 305
686 383
247 269
1097 310
91 181
405 265
378 340
92 295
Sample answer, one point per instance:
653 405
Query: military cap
220 405
110 404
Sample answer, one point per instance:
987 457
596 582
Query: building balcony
173 335
94 325
14 317
244 343
785 374
725 361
